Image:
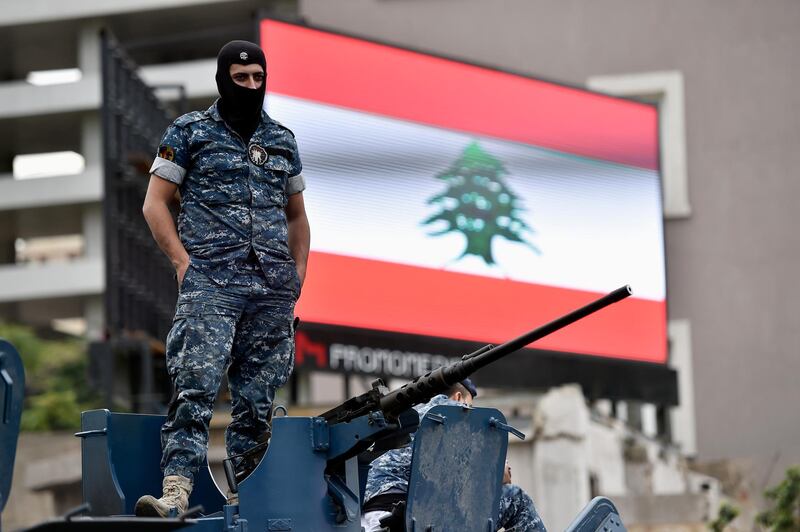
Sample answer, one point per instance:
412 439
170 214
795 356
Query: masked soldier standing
239 250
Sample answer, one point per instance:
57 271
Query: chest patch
257 154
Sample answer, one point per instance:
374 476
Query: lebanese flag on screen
390 139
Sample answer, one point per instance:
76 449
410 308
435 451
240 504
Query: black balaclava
239 106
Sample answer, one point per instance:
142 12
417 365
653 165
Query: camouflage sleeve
296 182
437 400
517 511
172 158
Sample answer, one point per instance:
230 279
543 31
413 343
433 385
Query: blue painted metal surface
12 393
305 482
308 481
121 454
289 490
600 515
457 470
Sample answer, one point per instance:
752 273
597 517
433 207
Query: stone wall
572 454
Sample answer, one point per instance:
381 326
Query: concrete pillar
634 418
560 462
92 228
682 418
649 420
94 314
90 64
91 140
94 248
643 417
622 411
89 48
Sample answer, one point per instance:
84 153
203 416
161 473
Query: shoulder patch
166 152
188 118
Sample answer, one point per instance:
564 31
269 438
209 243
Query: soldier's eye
242 77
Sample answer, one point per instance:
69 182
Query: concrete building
51 228
573 454
726 76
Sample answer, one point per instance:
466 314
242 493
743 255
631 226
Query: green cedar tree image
479 204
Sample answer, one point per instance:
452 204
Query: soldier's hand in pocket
180 272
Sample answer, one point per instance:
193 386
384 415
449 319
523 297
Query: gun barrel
465 368
440 379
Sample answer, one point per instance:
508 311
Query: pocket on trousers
283 361
298 287
291 349
182 285
174 344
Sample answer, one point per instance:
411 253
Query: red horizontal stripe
386 296
324 67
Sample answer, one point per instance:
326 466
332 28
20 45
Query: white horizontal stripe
598 225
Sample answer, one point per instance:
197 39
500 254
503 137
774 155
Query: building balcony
85 187
21 99
78 277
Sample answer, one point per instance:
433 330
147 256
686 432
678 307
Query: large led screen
456 201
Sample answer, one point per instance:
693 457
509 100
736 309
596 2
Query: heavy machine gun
423 388
308 479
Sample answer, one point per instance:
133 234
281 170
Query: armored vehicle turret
310 476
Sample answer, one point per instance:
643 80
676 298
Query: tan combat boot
176 495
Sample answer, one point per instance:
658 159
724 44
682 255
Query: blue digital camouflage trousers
246 328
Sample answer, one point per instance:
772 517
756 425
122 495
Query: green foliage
784 514
727 513
57 409
478 204
55 383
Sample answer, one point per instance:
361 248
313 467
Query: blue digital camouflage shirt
391 471
233 195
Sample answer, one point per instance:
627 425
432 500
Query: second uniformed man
387 481
239 250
